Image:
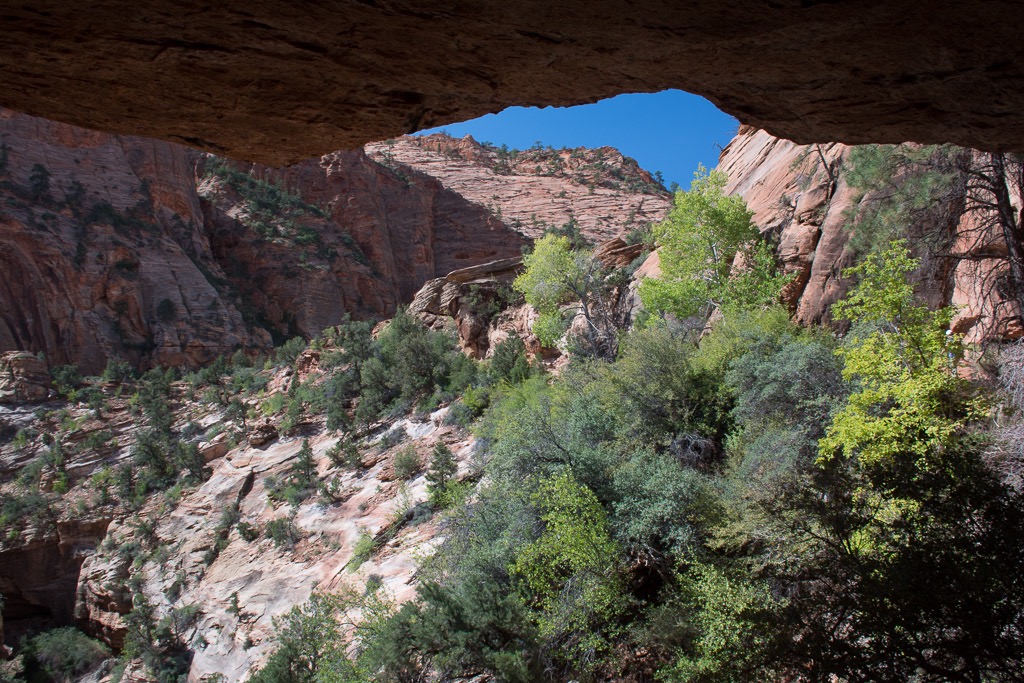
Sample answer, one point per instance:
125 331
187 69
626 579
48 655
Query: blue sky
670 131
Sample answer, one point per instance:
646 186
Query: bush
392 438
118 370
249 532
509 362
410 363
407 462
460 415
283 532
274 404
362 550
287 353
64 654
661 391
65 378
345 453
661 508
27 508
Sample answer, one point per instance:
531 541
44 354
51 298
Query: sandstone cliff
604 193
369 236
117 247
800 195
102 251
144 250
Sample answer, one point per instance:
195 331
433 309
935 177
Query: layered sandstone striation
599 191
475 299
377 233
102 251
24 378
252 80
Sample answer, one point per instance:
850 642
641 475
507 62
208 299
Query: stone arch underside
278 82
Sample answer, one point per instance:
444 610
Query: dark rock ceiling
277 82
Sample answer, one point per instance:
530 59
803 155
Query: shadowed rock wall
279 82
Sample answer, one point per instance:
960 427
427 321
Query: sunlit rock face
261 81
91 557
810 216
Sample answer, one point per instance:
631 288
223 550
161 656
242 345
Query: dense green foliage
62 654
407 365
699 241
952 203
771 503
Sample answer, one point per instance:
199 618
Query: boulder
24 378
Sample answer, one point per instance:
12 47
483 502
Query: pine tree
442 470
304 471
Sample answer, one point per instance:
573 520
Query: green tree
699 241
571 572
909 400
906 191
440 475
304 470
309 643
509 362
39 180
410 363
301 480
726 618
561 282
64 654
993 182
921 192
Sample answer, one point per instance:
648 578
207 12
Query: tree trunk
1009 224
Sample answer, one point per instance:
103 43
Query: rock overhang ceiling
278 82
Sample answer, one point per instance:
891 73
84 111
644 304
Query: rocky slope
809 213
89 557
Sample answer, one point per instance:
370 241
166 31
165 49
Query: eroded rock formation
24 378
141 249
270 83
599 191
486 309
